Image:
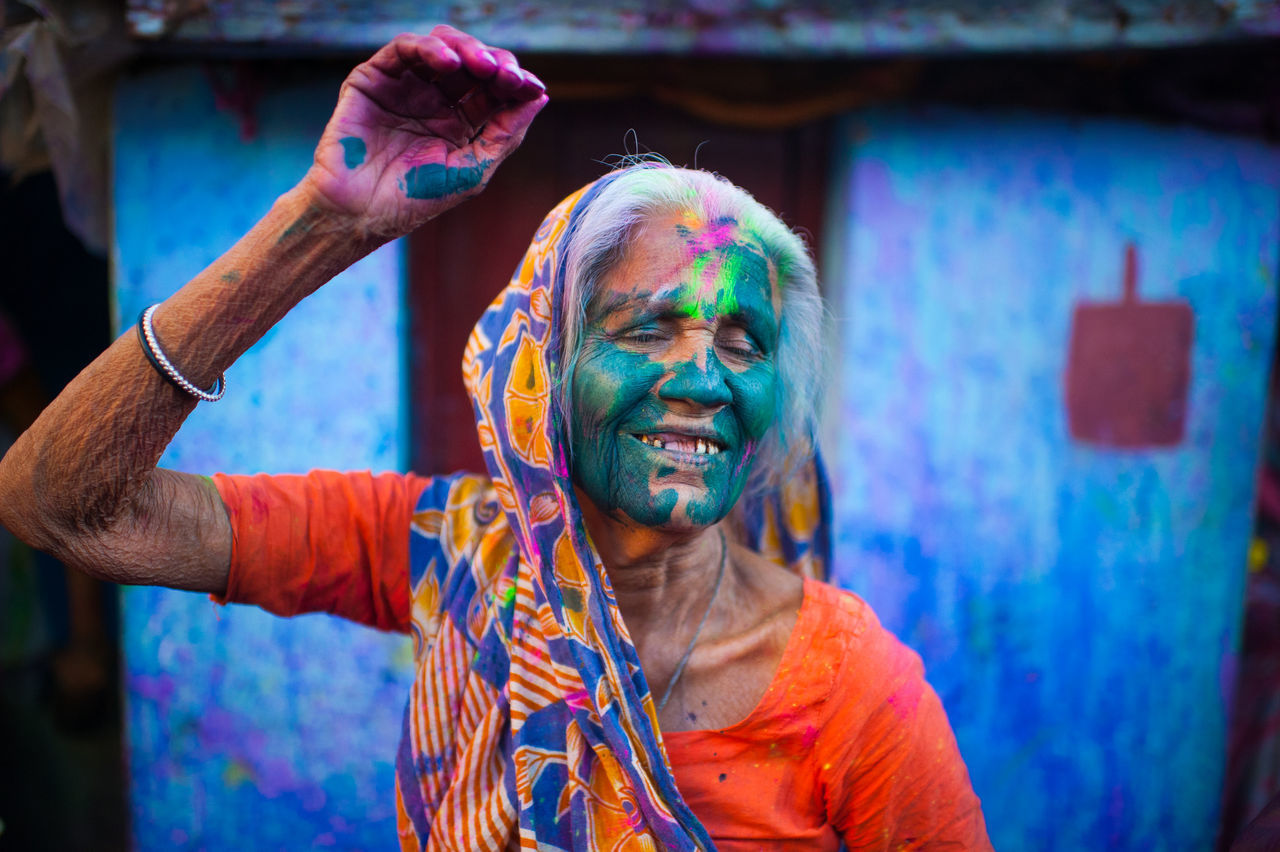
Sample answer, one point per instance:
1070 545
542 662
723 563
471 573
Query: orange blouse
848 742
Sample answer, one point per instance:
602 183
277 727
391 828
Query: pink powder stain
809 737
577 699
259 511
634 815
239 95
904 703
705 295
747 455
712 237
702 247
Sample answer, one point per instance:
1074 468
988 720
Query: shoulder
875 669
875 683
851 628
850 612
887 754
844 665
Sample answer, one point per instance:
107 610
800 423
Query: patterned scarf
529 716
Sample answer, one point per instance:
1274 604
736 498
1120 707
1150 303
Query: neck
657 575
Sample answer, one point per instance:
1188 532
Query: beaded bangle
151 348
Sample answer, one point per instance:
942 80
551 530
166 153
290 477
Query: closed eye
642 336
738 342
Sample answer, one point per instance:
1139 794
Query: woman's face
674 387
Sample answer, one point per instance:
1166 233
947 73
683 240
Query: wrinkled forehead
684 251
691 234
709 233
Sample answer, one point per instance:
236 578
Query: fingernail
487 58
513 70
529 77
451 54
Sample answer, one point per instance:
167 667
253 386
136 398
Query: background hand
420 127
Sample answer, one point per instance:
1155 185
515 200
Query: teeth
701 446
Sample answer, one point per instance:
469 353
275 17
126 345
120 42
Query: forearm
81 483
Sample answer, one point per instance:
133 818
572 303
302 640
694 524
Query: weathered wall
247 731
1077 602
747 27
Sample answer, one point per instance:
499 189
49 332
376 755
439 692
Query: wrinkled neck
656 574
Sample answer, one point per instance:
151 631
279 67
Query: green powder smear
436 180
353 151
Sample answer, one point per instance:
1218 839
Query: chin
694 509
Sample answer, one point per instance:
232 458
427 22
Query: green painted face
675 384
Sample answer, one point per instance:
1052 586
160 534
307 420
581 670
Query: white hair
655 189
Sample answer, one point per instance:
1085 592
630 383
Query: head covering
530 714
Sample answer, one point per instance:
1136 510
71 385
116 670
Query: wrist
368 211
306 223
344 209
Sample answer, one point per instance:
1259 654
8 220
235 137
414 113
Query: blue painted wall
1077 607
246 731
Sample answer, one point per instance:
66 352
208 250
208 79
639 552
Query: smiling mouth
682 444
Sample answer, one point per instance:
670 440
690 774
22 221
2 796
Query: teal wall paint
246 731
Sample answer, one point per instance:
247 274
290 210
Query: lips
677 442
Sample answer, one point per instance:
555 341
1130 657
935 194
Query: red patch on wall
1129 368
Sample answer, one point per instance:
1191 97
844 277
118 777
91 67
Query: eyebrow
648 309
608 303
605 303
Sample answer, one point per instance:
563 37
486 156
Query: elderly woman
620 640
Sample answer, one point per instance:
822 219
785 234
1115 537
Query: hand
419 128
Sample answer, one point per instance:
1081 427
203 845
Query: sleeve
322 542
896 779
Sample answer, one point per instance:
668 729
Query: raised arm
418 128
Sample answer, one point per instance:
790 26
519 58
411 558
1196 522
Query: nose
700 381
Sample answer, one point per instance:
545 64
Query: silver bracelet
151 348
